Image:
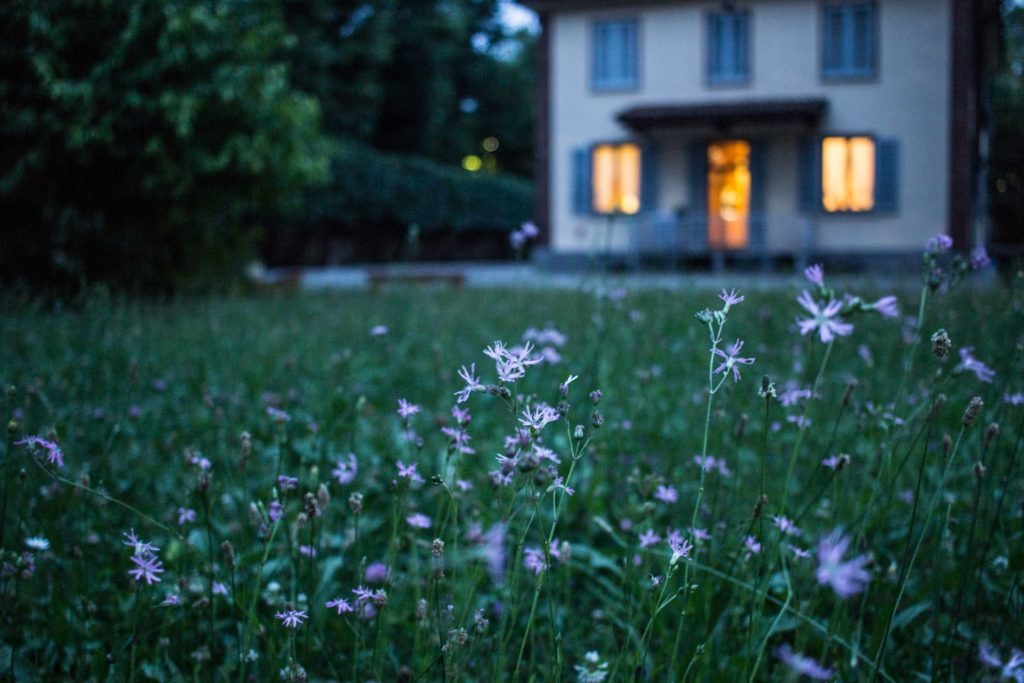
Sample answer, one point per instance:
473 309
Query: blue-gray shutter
715 46
649 176
758 193
742 51
581 182
887 175
809 168
629 55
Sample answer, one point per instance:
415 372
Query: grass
137 396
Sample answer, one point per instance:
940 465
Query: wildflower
1012 668
559 484
699 534
510 365
979 258
798 552
823 319
186 515
538 418
139 547
731 298
836 462
1016 399
287 483
751 544
649 538
341 604
593 670
378 330
533 560
529 230
939 244
845 578
376 572
363 594
680 548
666 494
495 554
292 618
418 520
307 551
171 600
710 463
37 543
971 364
409 472
802 664
276 511
219 588
406 409
887 306
472 383
146 568
815 274
563 388
54 455
732 360
278 416
345 472
785 525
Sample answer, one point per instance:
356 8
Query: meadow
433 484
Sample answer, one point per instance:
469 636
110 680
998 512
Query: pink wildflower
823 319
291 618
845 578
802 664
418 520
732 360
345 472
54 455
815 274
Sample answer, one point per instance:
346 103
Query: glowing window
848 174
616 178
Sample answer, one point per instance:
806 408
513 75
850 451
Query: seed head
979 470
971 412
355 502
767 389
941 343
228 552
991 433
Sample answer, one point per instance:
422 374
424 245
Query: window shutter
695 225
581 181
809 164
714 46
887 175
742 51
649 177
629 54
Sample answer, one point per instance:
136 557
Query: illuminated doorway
729 194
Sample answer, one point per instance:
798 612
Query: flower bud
355 502
941 344
767 389
979 470
991 433
596 419
595 396
579 432
850 386
971 412
741 427
323 496
437 555
228 552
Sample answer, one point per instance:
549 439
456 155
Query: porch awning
719 114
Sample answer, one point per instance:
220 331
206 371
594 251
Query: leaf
909 614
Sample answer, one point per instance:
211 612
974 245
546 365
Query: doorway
729 194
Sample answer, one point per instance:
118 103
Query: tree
139 141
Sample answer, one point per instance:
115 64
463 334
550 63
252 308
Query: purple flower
700 534
511 364
291 618
345 472
1016 399
495 553
219 588
376 572
802 664
461 415
529 230
287 483
342 605
939 244
823 319
138 546
751 544
979 258
649 538
517 239
680 547
472 383
277 415
275 511
833 462
1011 668
146 568
539 417
887 306
54 456
799 552
171 600
845 578
418 520
186 515
408 472
307 551
666 494
378 330
732 360
406 409
533 560
363 595
969 363
731 298
815 274
712 463
785 525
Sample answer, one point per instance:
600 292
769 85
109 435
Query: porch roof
719 114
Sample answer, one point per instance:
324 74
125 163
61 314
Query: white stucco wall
909 101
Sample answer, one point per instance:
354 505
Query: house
761 128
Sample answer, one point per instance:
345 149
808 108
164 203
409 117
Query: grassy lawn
214 431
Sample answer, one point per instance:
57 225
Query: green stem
803 425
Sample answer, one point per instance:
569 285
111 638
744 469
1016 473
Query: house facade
760 127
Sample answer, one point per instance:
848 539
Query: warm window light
472 163
848 174
616 178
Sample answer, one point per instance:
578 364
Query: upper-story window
615 55
850 40
728 47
